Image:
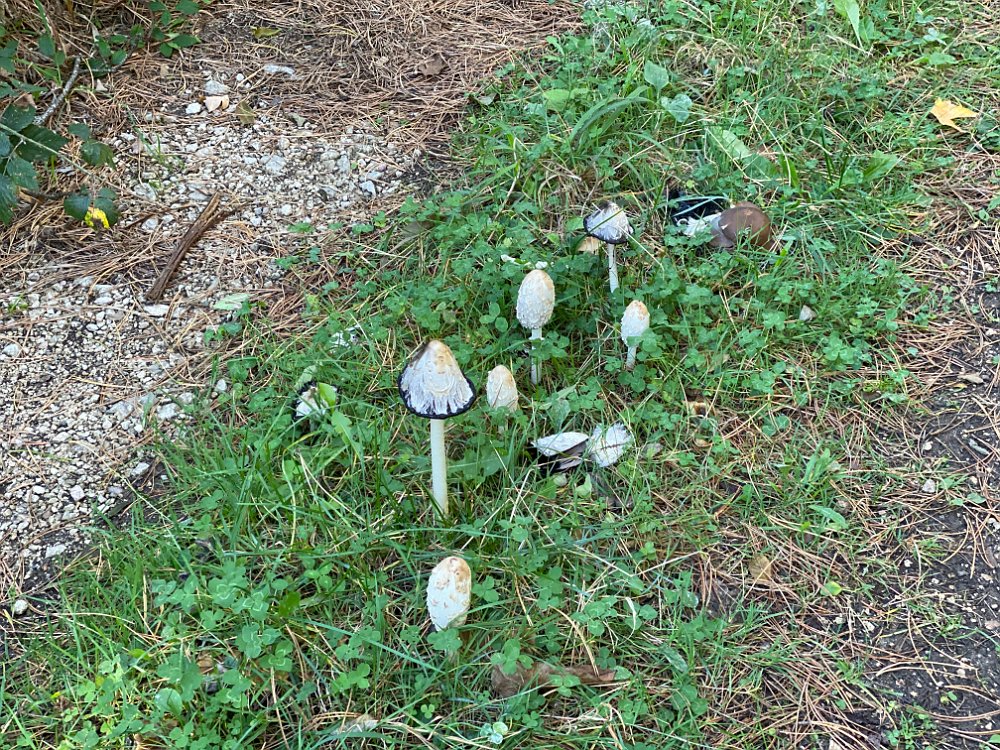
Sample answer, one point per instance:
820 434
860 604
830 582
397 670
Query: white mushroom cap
560 444
501 390
607 444
565 448
535 300
432 384
635 321
449 592
316 399
608 224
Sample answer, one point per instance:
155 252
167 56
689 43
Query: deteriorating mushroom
536 299
501 390
610 225
449 592
607 444
742 218
432 386
564 450
635 322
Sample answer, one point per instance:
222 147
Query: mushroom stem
630 359
439 466
612 268
536 335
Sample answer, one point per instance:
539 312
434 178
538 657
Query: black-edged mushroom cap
433 386
608 224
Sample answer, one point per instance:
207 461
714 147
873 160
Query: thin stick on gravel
208 216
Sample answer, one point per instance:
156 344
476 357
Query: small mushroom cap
743 217
432 384
635 321
608 224
564 450
607 444
315 399
501 390
449 592
589 244
560 444
535 300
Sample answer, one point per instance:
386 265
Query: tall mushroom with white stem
535 301
635 322
501 389
610 225
432 386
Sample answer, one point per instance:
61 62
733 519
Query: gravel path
88 368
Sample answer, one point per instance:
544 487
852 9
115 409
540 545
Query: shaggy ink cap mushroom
635 321
536 298
608 224
501 389
433 386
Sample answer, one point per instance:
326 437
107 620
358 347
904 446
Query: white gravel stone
99 352
20 607
215 88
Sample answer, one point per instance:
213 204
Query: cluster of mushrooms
433 386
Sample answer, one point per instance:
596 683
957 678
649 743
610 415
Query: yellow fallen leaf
946 112
95 216
761 570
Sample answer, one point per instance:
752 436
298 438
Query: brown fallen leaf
433 66
760 569
946 112
213 103
971 377
540 675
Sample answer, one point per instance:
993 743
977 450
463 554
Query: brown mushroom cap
743 217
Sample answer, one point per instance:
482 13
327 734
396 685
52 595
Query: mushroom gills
562 451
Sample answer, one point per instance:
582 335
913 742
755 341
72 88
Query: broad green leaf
754 164
879 165
655 75
39 144
679 107
5 145
96 153
232 301
937 60
832 588
181 41
76 205
21 172
556 99
80 129
16 118
8 200
46 46
850 10
187 7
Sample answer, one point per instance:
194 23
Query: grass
274 598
